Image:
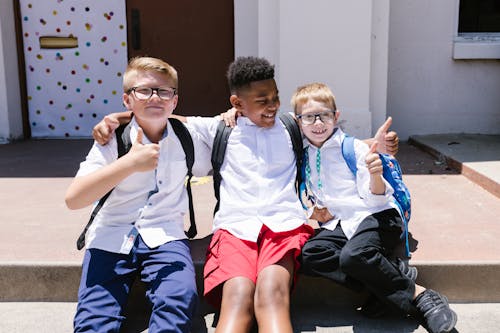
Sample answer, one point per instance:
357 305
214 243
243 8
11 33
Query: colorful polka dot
72 85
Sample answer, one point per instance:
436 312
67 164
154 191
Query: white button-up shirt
153 202
258 176
348 199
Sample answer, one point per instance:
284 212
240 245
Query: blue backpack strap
392 174
349 154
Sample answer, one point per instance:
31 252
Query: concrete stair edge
466 282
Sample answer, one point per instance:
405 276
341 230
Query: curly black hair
245 70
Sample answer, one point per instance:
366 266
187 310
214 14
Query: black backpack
124 145
220 144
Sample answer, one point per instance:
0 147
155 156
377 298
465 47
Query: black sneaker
436 312
373 307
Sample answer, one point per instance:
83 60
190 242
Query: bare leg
272 297
236 313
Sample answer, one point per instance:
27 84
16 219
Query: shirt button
160 182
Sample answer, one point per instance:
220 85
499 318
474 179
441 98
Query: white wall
428 91
10 100
324 40
379 62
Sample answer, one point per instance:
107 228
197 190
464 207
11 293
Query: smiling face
153 110
320 130
259 102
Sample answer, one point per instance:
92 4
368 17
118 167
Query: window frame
474 45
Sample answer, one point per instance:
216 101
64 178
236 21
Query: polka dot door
75 53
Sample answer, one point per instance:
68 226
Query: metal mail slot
54 42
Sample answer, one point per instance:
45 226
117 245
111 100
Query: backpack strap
349 154
187 145
124 144
298 147
350 158
218 153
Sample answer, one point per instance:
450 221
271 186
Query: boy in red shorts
260 227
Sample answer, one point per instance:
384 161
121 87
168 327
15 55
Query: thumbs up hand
373 162
388 142
145 156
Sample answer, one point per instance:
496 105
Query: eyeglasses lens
326 117
145 93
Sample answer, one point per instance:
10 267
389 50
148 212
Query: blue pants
167 271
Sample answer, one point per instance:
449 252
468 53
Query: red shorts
229 257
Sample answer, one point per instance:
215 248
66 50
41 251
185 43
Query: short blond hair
148 64
318 92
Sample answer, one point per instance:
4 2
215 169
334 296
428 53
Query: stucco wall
428 91
326 41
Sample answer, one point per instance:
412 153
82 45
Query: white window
478 33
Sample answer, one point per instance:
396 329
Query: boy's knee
352 261
272 296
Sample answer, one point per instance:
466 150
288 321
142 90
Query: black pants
364 261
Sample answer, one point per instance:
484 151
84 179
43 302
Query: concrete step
57 317
58 282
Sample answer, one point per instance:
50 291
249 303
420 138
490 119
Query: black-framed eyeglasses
326 117
145 93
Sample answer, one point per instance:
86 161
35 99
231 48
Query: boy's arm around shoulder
103 131
85 190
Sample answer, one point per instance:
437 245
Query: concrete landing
57 318
455 238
